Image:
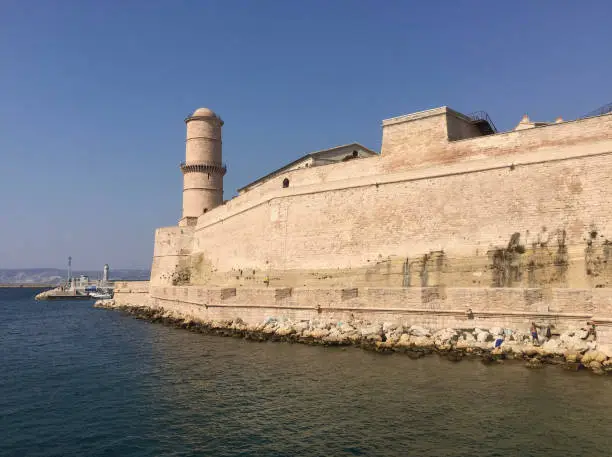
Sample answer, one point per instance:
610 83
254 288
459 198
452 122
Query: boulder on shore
419 331
534 363
571 350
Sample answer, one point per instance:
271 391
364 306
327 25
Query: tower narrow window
285 183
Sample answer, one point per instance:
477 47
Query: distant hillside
56 275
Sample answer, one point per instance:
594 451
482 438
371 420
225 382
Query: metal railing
478 116
599 111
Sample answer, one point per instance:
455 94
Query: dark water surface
79 381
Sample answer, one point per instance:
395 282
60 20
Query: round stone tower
203 168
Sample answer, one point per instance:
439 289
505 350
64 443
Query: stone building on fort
451 215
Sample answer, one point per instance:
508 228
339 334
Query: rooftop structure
329 156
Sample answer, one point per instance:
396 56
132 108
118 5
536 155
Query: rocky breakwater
60 293
573 350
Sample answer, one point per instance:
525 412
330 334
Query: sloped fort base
461 334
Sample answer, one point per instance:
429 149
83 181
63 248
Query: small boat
100 295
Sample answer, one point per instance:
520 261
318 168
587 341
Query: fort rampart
515 227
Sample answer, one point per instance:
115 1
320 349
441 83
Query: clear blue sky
93 95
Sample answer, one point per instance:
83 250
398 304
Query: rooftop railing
599 111
482 116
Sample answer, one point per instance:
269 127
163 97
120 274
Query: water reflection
79 381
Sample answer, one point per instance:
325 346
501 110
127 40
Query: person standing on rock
534 333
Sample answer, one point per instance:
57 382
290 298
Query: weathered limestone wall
369 300
471 217
171 254
433 307
459 127
303 177
511 308
516 226
134 293
426 139
415 139
425 144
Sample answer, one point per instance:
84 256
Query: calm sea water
79 381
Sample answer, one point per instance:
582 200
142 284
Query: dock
81 288
59 294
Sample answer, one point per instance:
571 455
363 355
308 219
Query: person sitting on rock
591 332
498 342
534 333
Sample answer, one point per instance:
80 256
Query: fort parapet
450 216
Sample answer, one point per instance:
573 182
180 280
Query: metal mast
69 268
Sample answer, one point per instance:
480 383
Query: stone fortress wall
515 226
